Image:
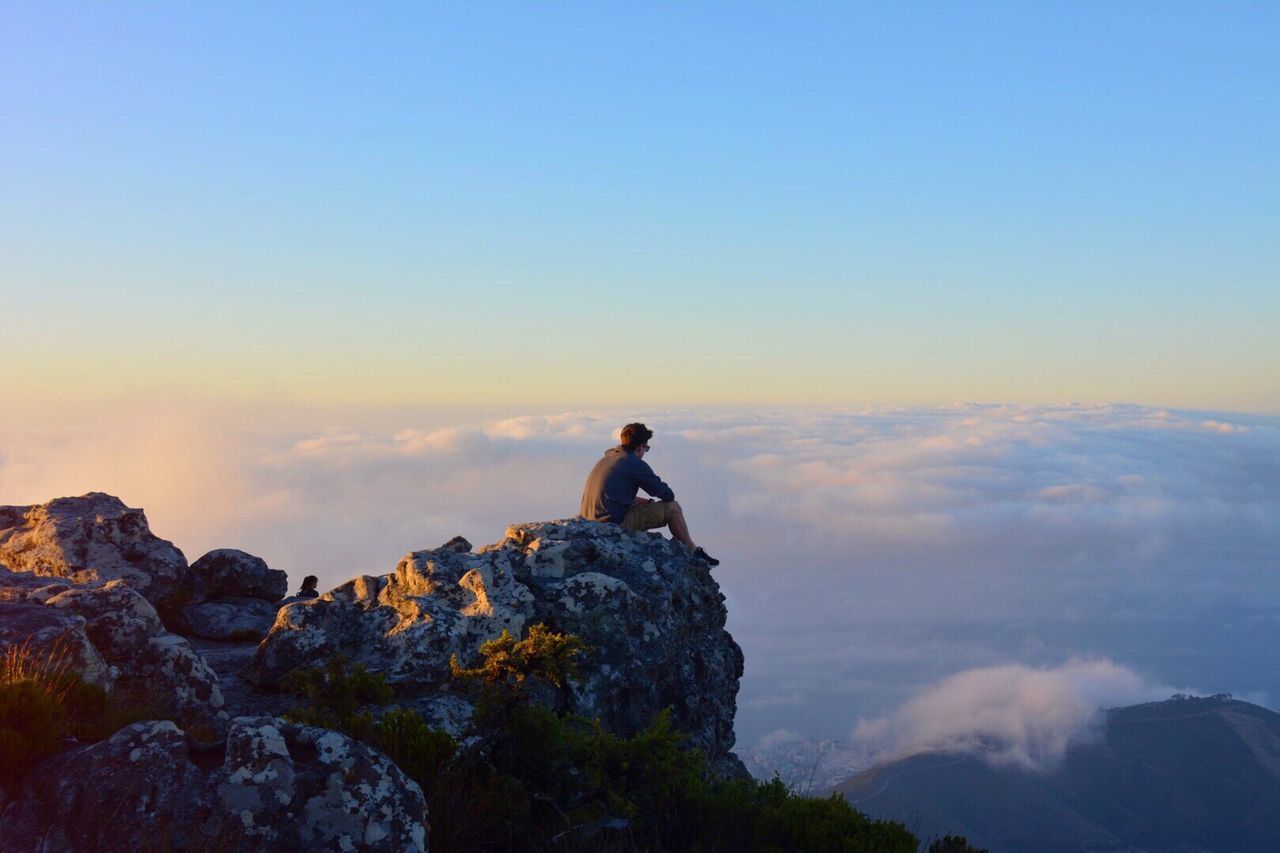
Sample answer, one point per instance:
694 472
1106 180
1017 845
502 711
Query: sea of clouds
923 571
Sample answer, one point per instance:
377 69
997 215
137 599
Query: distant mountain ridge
1186 774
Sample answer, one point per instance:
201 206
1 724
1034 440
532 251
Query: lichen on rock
94 537
652 618
279 786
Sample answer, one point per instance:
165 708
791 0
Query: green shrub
338 698
531 779
42 702
32 722
544 654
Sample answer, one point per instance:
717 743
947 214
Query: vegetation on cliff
526 777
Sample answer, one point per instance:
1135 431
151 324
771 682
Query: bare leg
679 528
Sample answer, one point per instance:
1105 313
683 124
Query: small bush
416 748
32 723
954 844
337 697
543 654
42 702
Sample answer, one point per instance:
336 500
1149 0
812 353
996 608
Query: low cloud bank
1008 715
867 551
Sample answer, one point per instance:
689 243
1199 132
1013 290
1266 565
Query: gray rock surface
54 639
152 662
228 573
242 699
311 788
128 646
123 793
278 786
90 538
230 618
652 617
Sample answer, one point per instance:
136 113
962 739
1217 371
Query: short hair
310 580
635 435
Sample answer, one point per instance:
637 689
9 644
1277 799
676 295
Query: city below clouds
867 553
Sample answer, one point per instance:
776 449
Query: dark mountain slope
1181 775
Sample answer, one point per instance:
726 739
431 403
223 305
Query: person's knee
675 509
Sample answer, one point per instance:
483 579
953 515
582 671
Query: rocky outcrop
236 596
112 637
276 786
230 619
50 638
87 575
93 538
228 573
652 618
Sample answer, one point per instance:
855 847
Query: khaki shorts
648 516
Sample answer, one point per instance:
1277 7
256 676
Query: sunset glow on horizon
489 204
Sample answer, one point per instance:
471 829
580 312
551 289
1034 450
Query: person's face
641 451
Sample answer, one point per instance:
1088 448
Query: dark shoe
702 555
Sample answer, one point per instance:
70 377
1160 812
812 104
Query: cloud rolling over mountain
1008 715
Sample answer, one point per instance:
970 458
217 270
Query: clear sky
687 203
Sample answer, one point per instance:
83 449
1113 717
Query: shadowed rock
51 637
228 573
273 786
231 619
234 596
128 646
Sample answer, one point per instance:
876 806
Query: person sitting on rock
308 587
610 492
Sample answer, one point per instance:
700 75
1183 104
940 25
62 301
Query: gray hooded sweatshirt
612 485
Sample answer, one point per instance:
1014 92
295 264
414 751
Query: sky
502 203
957 322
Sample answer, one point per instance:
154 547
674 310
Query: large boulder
129 792
231 619
235 596
43 638
228 573
112 637
277 786
154 664
652 617
310 788
94 537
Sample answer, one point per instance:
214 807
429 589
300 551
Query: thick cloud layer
1010 714
866 552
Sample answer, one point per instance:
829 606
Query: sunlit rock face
111 636
652 617
90 538
273 786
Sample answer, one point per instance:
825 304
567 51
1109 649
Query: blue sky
492 202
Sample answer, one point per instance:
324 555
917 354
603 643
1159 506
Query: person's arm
652 483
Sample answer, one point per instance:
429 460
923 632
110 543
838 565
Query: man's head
636 437
310 581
